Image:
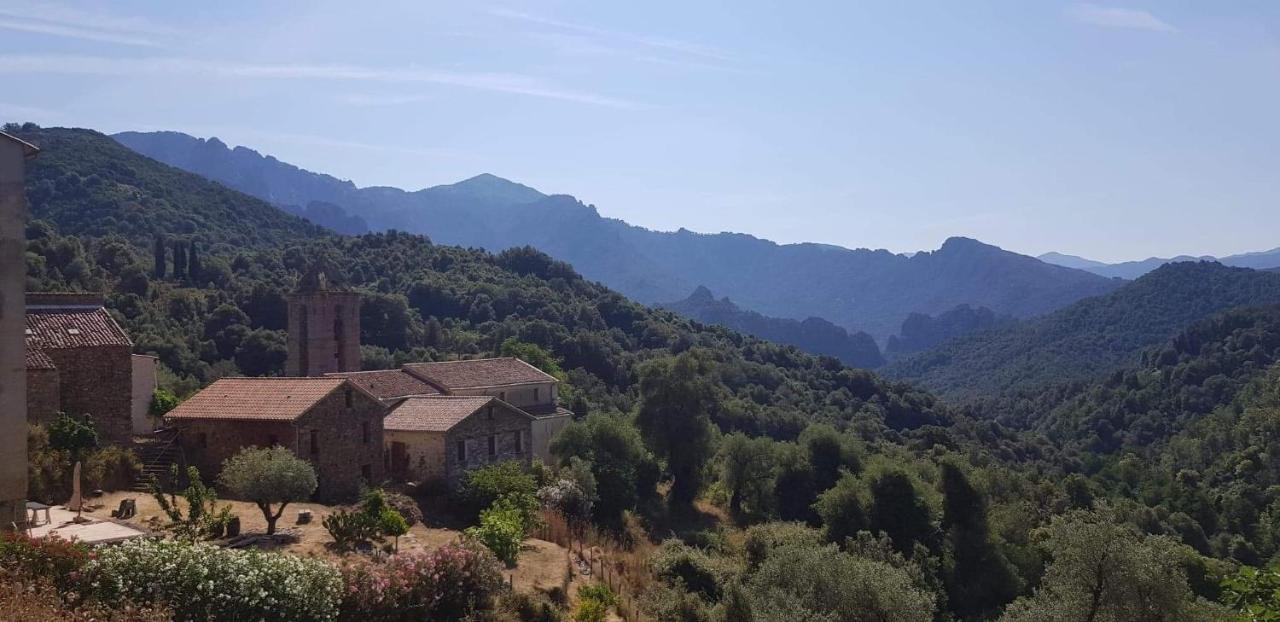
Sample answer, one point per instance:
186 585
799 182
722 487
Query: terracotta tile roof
37 359
438 413
475 373
49 328
256 399
388 383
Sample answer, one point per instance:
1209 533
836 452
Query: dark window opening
462 451
203 439
535 395
489 413
366 472
351 399
519 441
315 442
364 431
273 440
493 445
502 395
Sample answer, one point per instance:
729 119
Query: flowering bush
204 582
446 584
48 558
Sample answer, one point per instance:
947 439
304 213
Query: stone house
14 154
330 422
512 381
439 437
78 361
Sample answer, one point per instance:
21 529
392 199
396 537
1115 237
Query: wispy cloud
1116 17
516 84
74 23
584 38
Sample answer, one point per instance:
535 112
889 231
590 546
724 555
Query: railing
604 558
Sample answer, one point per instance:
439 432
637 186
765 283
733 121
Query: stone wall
43 396
207 443
97 381
539 396
545 429
423 458
13 367
143 387
499 422
346 454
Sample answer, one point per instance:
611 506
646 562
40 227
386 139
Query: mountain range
857 289
1262 260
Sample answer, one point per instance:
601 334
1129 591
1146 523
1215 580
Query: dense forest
1088 339
772 484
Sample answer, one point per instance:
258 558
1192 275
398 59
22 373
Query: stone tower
13 370
324 329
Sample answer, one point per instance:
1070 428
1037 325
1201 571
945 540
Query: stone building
13 277
439 437
330 422
79 362
144 385
324 329
512 381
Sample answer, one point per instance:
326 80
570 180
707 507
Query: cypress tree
179 260
193 263
160 256
978 578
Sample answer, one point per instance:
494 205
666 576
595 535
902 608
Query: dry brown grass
32 601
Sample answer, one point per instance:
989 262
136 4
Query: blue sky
1112 131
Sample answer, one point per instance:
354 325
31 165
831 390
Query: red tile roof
438 413
388 383
256 399
73 328
37 359
476 373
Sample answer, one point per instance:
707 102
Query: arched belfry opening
324 327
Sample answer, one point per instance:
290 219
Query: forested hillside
814 335
913 510
859 290
1088 339
101 209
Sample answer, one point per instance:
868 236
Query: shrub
763 539
526 607
349 528
72 434
449 583
594 602
112 468
49 558
501 529
268 477
203 582
391 523
32 600
406 506
679 564
482 487
202 519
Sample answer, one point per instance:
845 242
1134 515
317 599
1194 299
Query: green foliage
747 472
509 481
534 355
162 401
1107 571
594 601
624 470
350 527
677 403
978 579
205 582
898 510
680 565
391 523
842 510
268 477
1254 592
202 518
73 434
501 530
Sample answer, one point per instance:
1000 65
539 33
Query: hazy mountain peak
490 187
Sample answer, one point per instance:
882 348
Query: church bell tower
324 328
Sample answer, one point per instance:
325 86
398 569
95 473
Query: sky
1115 132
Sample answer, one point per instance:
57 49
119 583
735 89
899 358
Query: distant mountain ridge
868 290
1261 260
814 335
1090 338
920 332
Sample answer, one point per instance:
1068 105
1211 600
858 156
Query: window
203 439
366 472
364 431
502 395
272 441
519 441
493 445
489 413
462 451
315 442
535 394
351 400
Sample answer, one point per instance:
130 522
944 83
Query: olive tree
268 477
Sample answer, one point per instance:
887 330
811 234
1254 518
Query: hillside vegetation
1088 339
